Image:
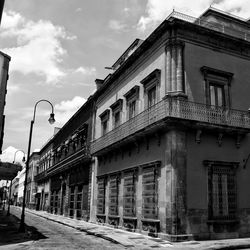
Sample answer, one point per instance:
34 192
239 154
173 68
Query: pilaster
175 160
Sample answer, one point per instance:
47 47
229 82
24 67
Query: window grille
113 195
71 201
79 202
129 194
222 203
149 193
101 197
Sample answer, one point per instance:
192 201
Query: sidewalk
9 234
129 239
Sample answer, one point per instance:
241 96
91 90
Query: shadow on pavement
9 234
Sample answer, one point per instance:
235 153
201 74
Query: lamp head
52 118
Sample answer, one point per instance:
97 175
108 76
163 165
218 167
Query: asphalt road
53 235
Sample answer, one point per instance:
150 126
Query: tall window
113 195
117 112
101 196
129 194
217 95
152 96
104 121
151 88
217 86
221 190
132 97
131 109
149 192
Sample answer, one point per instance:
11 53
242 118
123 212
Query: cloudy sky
59 47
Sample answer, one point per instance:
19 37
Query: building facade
66 166
31 184
171 132
4 69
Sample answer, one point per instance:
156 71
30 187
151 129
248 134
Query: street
56 236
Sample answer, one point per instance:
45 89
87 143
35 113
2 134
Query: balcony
180 109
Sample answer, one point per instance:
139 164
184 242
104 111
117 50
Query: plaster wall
197 177
198 56
155 60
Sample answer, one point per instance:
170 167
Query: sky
58 48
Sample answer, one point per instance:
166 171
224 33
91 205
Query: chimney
98 83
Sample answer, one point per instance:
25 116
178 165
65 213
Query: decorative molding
156 74
132 92
117 105
211 163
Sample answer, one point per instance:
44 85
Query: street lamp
51 121
8 212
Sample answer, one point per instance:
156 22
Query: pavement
134 240
9 234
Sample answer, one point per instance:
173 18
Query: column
179 71
173 69
175 160
168 86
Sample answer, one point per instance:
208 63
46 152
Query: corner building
171 132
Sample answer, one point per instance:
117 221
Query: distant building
4 69
31 184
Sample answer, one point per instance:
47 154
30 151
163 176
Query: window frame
226 168
104 120
213 77
149 82
117 109
132 96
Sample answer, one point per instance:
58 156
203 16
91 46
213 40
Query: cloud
78 9
88 71
38 47
117 25
11 153
158 10
65 109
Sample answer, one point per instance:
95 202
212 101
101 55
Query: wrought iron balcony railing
174 108
243 34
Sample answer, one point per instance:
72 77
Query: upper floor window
151 88
216 95
132 97
117 113
104 121
217 87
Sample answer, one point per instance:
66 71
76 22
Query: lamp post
8 212
51 121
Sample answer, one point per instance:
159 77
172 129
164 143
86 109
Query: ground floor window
54 202
149 192
79 202
101 196
129 194
222 197
113 195
71 201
